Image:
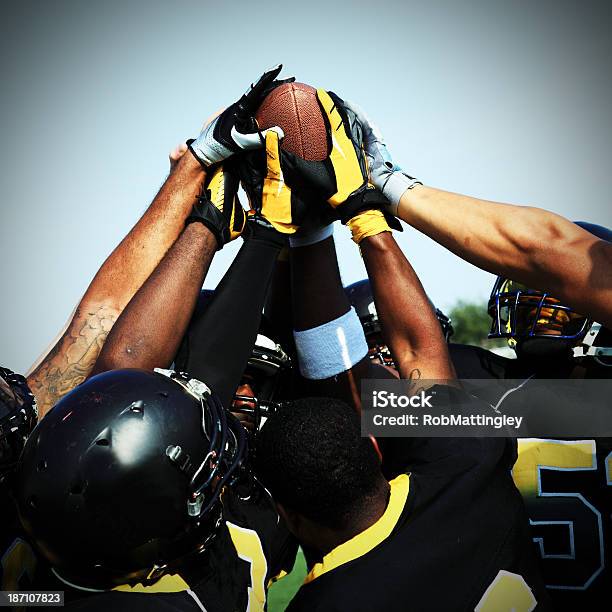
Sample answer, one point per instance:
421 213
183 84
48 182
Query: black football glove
236 129
218 206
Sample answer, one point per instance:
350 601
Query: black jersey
18 561
566 483
453 538
249 550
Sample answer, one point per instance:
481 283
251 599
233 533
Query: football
295 108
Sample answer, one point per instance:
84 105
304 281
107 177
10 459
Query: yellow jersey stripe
168 583
365 541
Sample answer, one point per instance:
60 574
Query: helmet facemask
262 382
535 323
18 416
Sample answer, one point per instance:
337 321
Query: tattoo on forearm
414 378
71 360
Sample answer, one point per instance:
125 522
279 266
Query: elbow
536 235
528 230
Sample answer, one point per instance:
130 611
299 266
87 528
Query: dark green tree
472 323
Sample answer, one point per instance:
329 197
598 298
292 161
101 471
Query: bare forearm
137 255
535 247
408 320
316 286
149 330
71 359
319 297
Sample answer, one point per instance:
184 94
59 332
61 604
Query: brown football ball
295 108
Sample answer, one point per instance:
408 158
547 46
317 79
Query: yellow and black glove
341 179
218 206
292 193
271 199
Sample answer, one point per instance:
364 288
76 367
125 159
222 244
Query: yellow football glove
271 199
276 204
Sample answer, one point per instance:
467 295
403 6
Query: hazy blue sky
504 100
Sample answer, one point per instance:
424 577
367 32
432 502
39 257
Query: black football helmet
18 416
120 482
537 324
362 299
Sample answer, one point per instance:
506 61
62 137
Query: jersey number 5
572 550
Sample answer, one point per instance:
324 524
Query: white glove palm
235 129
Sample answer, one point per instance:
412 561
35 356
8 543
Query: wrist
259 229
206 215
199 232
412 200
189 166
367 224
396 186
382 243
312 237
331 348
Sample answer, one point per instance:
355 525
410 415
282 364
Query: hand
270 198
383 172
236 129
176 154
218 206
342 178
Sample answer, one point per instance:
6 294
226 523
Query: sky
509 101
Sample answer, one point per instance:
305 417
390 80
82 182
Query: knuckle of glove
208 149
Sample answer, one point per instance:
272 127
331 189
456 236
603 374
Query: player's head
537 324
18 416
120 482
362 299
313 460
263 379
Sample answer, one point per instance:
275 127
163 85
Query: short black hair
312 458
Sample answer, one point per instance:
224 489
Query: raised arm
535 247
72 358
408 320
331 345
148 332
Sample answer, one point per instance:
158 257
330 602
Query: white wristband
331 348
395 187
312 237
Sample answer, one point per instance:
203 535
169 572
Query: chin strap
587 349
